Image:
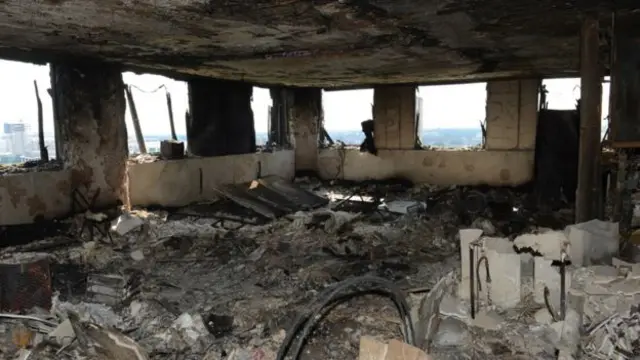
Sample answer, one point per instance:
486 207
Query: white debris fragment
97 217
97 313
488 320
485 225
403 206
126 223
542 316
185 331
137 255
549 276
63 335
570 336
337 220
592 242
191 326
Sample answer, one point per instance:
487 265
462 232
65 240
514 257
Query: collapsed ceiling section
309 42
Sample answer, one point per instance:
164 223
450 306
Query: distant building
16 135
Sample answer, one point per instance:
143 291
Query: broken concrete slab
549 276
592 242
108 289
603 292
626 268
488 320
63 335
428 313
370 349
506 266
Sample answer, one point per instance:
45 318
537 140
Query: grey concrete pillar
394 117
305 116
89 106
221 121
512 114
591 72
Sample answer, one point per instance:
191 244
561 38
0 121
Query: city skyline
343 110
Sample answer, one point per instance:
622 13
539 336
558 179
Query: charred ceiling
310 43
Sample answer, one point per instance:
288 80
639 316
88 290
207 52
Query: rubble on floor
227 280
557 300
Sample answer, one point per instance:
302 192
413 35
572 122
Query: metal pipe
563 295
486 268
472 295
547 303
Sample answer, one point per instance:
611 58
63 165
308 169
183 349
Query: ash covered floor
185 285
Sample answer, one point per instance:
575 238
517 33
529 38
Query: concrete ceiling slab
310 42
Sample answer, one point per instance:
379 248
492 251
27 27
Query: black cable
336 295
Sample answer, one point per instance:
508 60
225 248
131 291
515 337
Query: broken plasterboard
371 349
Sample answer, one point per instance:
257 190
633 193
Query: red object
25 285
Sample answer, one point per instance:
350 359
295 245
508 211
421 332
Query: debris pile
229 279
618 336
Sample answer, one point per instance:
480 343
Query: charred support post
298 113
306 116
394 117
142 147
89 104
44 154
278 119
221 119
590 114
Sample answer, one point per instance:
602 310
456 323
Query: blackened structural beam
591 71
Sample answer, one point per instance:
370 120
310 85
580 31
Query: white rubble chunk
592 242
403 206
485 225
453 307
570 336
505 267
488 320
549 244
542 316
62 335
549 276
137 255
126 223
630 270
467 236
185 331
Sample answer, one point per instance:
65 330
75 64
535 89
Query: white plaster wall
181 182
455 167
23 197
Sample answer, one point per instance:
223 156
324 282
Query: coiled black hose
338 294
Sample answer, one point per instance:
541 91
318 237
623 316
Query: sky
445 106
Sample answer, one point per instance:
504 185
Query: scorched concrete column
90 106
512 114
394 117
221 121
305 116
591 72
